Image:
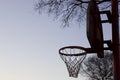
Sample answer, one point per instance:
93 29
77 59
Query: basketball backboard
94 28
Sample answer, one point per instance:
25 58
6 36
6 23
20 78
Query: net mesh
73 59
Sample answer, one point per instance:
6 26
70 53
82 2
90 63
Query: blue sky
29 43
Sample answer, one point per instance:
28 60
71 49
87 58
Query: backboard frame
94 28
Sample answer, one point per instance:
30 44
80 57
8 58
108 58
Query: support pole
115 39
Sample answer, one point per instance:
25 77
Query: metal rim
73 47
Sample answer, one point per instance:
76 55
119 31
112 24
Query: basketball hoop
73 56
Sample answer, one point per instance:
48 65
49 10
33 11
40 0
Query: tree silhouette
68 10
98 68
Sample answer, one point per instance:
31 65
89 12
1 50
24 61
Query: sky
29 43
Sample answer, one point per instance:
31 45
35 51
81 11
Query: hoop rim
76 47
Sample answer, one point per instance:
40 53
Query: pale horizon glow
29 43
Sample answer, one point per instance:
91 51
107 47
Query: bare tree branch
98 69
68 10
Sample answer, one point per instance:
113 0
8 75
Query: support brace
109 16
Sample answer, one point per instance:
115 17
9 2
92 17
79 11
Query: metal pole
115 39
